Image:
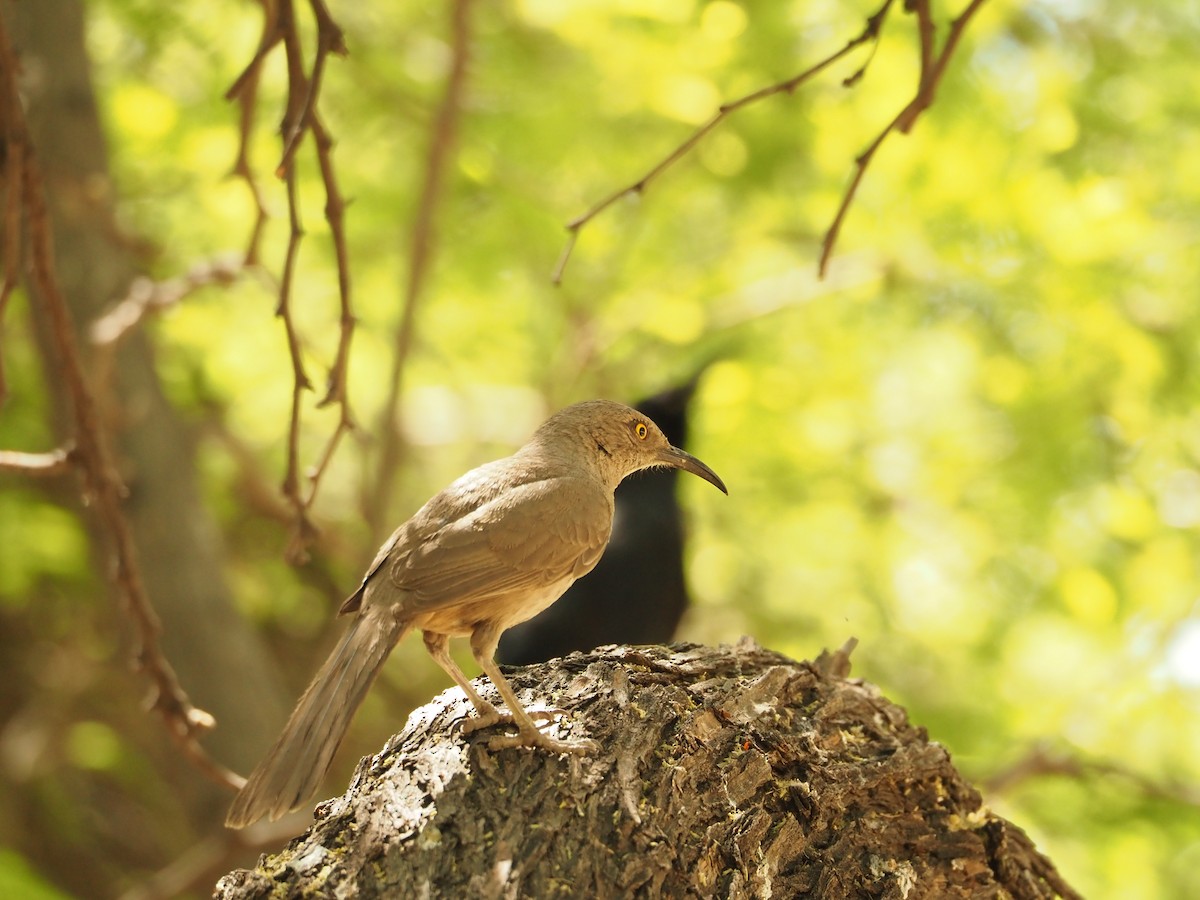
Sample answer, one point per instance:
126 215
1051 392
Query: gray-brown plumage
493 549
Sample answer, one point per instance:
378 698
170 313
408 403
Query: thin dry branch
245 91
102 486
422 242
305 531
148 296
260 498
869 33
1042 761
330 39
932 70
39 465
336 383
335 212
925 33
874 25
301 118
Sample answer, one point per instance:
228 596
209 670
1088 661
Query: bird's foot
485 716
490 716
527 735
536 738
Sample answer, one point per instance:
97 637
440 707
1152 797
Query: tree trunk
728 772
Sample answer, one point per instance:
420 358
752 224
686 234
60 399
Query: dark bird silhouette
638 592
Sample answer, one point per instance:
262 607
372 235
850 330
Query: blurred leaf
18 879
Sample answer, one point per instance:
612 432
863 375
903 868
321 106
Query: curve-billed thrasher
496 547
638 591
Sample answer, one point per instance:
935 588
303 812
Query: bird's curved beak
680 459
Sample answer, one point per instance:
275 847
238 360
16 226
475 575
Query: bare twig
932 70
301 118
258 496
245 91
869 33
336 383
146 296
875 26
102 486
330 39
335 210
279 26
305 530
1043 761
422 241
925 34
41 465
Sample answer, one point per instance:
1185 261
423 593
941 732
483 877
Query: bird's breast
505 610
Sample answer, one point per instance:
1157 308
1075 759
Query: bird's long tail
291 772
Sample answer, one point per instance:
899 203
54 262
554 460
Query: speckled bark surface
726 772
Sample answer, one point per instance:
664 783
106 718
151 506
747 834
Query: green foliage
36 541
976 447
17 879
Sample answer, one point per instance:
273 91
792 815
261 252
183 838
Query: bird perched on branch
638 591
493 549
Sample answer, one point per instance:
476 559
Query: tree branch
931 76
245 91
103 488
301 118
146 296
305 531
1043 760
337 381
40 465
869 33
932 68
330 39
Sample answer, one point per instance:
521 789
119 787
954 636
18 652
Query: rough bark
728 772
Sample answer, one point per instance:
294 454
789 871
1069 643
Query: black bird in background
637 593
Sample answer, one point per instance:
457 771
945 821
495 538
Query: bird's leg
483 645
438 646
487 715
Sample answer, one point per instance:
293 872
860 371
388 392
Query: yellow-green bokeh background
975 446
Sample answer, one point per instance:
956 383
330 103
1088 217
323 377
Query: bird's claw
491 716
537 738
485 716
526 735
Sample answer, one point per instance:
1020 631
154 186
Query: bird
494 548
638 591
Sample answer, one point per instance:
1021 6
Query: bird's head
616 441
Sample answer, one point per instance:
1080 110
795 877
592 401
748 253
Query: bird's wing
527 537
464 497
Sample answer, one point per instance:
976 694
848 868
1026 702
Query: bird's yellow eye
641 430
